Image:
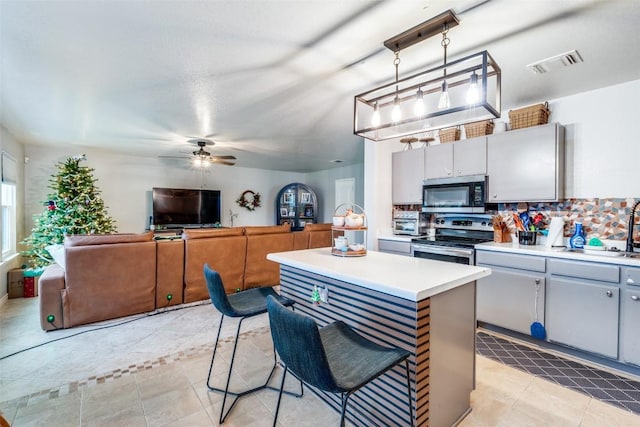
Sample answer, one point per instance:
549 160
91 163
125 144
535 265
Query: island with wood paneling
424 306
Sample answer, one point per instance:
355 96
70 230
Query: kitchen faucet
631 225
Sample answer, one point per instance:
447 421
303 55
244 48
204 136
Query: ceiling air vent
558 61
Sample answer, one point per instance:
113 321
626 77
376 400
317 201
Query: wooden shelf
348 253
345 228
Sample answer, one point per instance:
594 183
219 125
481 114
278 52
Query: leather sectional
111 276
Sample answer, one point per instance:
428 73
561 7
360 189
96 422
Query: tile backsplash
605 218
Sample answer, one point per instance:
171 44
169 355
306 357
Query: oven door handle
442 250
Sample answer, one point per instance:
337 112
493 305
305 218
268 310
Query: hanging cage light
461 91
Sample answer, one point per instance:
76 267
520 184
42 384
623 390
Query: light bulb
419 109
375 118
396 114
473 94
444 101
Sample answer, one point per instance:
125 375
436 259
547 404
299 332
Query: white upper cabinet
470 157
407 174
526 165
459 158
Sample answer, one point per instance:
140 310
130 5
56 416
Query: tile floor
602 384
151 371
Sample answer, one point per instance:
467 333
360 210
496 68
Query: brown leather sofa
106 276
110 276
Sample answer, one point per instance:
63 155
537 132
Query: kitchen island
426 307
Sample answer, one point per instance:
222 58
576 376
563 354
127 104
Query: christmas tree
73 207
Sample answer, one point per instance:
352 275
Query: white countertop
406 277
542 250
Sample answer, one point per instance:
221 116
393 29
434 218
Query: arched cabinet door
296 204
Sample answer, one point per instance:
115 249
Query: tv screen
183 207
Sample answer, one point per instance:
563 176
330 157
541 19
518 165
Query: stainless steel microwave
458 194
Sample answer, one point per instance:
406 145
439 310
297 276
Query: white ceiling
272 82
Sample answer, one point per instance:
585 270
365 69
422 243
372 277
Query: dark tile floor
597 383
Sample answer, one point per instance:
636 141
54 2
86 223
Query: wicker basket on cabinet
484 127
532 115
449 134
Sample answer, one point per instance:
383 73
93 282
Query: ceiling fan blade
174 157
224 162
224 157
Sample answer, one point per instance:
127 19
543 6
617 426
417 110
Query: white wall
602 133
377 187
323 182
126 183
9 144
602 150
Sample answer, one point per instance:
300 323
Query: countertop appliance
412 223
462 194
455 238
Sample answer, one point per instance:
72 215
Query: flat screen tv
177 207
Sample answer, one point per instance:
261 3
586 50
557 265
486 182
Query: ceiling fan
203 158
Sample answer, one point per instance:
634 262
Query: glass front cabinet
297 205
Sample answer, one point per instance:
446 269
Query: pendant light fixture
457 92
473 93
396 112
444 102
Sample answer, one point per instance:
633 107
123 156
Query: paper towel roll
556 232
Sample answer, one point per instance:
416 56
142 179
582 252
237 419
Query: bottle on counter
578 239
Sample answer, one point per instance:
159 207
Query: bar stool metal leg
238 395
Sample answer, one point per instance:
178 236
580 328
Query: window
8 201
8 219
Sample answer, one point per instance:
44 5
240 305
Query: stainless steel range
454 239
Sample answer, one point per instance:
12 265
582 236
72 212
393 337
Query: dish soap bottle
578 239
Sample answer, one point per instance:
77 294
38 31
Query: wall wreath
249 200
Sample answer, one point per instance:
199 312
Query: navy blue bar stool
243 305
334 358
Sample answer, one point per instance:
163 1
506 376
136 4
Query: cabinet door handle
635 297
609 294
495 196
630 281
537 281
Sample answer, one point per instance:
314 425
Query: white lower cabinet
583 315
508 299
394 247
630 317
510 296
583 305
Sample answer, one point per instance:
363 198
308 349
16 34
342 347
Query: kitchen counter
556 253
426 307
406 277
